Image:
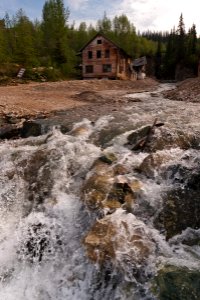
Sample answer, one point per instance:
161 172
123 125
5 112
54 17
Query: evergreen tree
104 25
24 50
3 52
54 27
170 56
158 60
181 41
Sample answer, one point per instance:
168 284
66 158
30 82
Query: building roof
141 61
101 34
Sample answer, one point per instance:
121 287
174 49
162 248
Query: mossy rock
177 283
108 158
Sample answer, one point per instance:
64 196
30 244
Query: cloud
144 14
77 4
159 15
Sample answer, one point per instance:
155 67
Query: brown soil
35 99
188 90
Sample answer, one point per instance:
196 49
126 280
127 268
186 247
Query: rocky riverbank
62 103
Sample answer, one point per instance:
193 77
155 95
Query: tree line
52 44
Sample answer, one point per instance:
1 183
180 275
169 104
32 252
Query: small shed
138 65
103 59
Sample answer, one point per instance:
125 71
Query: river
45 219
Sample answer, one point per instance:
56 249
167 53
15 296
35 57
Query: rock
108 158
80 131
96 188
104 189
181 203
138 134
189 237
120 170
9 132
167 138
154 94
181 210
120 194
178 283
31 128
41 126
12 119
121 238
152 164
158 138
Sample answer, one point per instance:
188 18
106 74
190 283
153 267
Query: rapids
44 220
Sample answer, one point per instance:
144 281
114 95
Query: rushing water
43 221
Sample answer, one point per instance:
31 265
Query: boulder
106 189
181 210
9 131
167 138
156 138
138 135
121 238
155 163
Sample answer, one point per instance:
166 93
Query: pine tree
180 41
54 27
24 50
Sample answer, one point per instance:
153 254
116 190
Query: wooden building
102 58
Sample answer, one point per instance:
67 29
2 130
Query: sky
155 15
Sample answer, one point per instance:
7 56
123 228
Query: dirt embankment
187 90
35 99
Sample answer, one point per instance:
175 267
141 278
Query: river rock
155 162
138 135
108 158
121 238
9 131
177 283
105 189
41 126
167 138
181 210
160 138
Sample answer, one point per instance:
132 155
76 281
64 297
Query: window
89 69
107 53
89 54
107 68
98 53
99 42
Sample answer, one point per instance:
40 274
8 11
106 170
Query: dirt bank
187 90
45 98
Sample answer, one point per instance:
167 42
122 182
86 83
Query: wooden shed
102 58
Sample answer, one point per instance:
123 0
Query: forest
48 48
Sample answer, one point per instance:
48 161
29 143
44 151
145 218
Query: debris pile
188 90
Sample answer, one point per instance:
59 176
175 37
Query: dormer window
99 42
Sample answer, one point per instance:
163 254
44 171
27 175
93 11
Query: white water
43 220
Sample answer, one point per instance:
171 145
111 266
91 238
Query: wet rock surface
177 283
119 240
